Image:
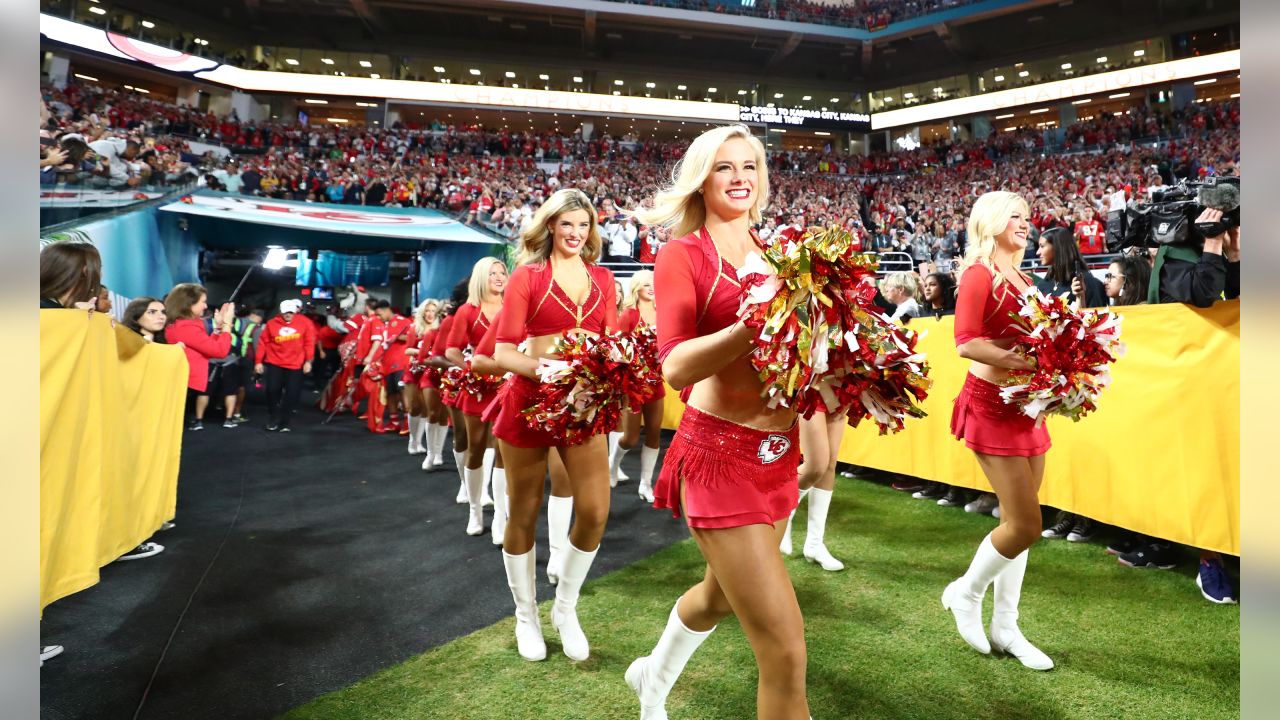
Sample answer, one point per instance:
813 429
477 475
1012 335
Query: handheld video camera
1170 217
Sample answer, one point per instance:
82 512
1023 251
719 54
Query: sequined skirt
989 425
732 475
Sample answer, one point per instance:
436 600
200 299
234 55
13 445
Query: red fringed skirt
475 406
990 426
733 475
429 378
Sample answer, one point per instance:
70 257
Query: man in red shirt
284 355
1090 235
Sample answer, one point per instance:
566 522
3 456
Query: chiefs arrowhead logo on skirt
773 447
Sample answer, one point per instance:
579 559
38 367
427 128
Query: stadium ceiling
615 37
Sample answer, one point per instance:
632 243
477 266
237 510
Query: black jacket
1200 283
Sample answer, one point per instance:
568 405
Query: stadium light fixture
888 98
999 78
1004 117
1023 73
148 24
474 71
617 82
835 100
1037 111
1082 102
1066 66
1139 53
822 133
742 92
1205 82
682 87
366 64
908 96
807 98
1101 59
311 101
650 85
327 61
1117 96
711 89
90 78
777 96
97 10
577 78
509 74
290 61
937 89
544 76
275 259
439 68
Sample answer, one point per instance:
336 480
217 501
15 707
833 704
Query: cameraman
1200 278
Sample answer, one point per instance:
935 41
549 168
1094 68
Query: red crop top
698 290
630 320
442 337
536 305
469 325
490 336
982 312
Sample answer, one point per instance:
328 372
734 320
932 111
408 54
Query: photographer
1181 274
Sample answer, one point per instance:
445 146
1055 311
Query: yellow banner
1161 456
110 443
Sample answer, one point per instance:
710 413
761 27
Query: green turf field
1128 643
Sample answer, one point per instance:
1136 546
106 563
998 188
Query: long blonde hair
989 217
536 241
419 323
633 290
478 285
680 205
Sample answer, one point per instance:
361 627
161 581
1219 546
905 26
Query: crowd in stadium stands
868 14
908 201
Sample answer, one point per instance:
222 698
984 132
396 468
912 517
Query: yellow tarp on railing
110 443
1161 456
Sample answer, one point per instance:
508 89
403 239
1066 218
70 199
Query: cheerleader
435 417
616 475
421 335
456 301
557 287
640 312
820 438
731 470
560 502
1009 446
484 300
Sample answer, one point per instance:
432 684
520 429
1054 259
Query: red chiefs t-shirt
1091 237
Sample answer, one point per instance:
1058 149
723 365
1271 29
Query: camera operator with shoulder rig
1199 262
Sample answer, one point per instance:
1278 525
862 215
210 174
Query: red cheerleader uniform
469 327
486 348
428 376
733 475
980 416
535 306
437 350
629 321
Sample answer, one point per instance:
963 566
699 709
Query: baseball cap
290 306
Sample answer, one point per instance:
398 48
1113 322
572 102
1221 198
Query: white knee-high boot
499 526
615 460
415 436
564 613
653 676
460 461
785 545
435 443
489 455
521 574
815 550
648 461
963 597
1005 635
559 513
475 521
